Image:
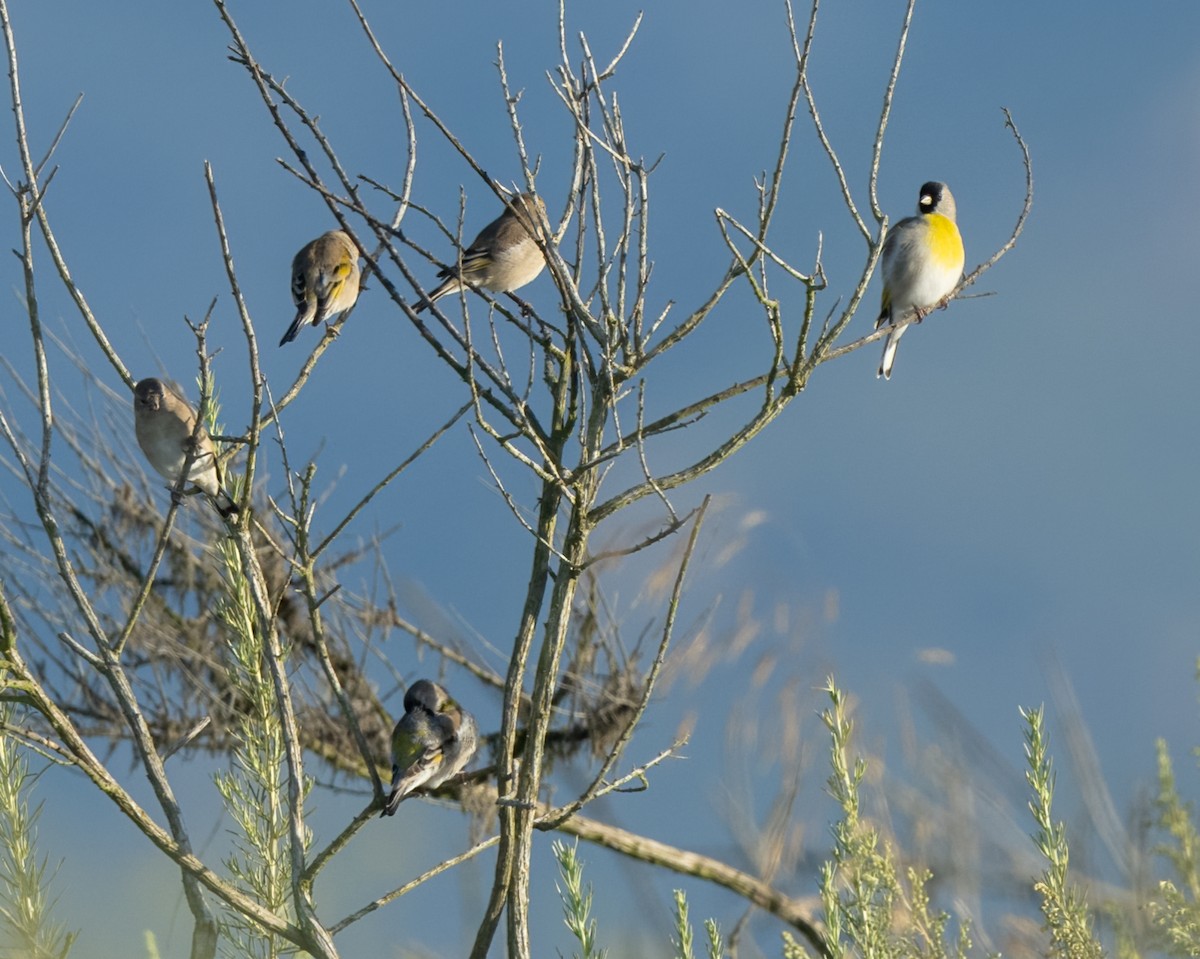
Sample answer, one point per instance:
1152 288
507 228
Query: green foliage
1065 908
716 945
577 901
255 787
869 910
577 907
1175 912
30 931
792 949
683 929
873 913
858 885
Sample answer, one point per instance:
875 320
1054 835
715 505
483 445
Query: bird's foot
525 308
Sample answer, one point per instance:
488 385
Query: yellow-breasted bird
922 264
434 740
325 278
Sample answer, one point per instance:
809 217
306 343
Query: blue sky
1022 492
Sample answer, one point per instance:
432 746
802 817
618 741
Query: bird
325 280
165 423
504 257
434 740
922 263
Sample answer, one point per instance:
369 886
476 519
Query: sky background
1019 498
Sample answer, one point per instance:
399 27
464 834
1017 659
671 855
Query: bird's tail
304 316
889 352
223 503
392 803
451 284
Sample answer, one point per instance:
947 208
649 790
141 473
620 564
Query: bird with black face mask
922 264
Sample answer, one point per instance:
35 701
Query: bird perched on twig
504 257
434 740
922 263
325 280
165 424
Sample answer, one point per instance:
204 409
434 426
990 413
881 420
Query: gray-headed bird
504 257
325 278
164 422
434 740
922 264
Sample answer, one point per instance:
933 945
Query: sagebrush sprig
1175 910
26 903
254 788
1064 907
577 901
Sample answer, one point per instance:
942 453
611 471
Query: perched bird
434 740
504 257
325 277
922 263
164 422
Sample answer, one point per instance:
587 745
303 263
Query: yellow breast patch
945 242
